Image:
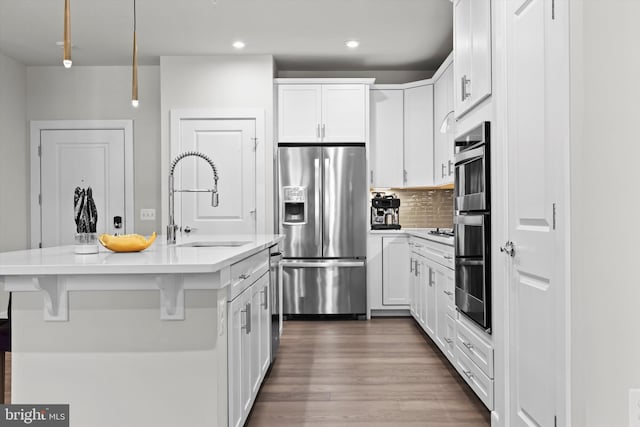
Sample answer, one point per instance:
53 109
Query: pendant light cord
134 15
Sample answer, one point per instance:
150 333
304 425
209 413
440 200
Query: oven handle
467 156
469 219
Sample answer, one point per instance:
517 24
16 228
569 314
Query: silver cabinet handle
448 340
323 131
448 257
404 176
450 167
265 303
249 326
371 179
243 276
469 374
442 170
509 249
465 82
463 87
448 293
318 131
247 318
468 345
411 265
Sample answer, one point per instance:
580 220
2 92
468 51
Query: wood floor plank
378 373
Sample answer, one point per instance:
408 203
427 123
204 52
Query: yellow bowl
126 242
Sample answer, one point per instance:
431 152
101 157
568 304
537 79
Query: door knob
508 248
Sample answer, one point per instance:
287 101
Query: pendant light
66 61
134 82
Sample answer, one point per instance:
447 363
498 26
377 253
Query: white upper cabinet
387 138
418 136
344 113
299 113
330 113
472 53
443 147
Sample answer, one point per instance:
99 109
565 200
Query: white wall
14 186
220 82
381 76
84 93
605 202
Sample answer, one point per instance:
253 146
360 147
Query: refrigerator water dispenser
294 201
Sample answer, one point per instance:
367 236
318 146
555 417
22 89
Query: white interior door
230 144
71 158
536 182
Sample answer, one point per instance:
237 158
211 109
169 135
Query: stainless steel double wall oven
472 222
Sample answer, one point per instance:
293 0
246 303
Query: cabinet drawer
475 348
479 382
440 253
247 271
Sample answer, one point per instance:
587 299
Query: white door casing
234 140
537 89
67 154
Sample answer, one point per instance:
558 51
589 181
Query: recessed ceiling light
352 44
238 45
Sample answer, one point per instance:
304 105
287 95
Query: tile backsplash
425 208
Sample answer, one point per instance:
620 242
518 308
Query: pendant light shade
66 61
134 82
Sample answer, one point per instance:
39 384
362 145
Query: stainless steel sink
215 244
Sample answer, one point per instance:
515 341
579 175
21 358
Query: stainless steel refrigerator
323 214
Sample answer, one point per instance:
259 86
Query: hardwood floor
382 372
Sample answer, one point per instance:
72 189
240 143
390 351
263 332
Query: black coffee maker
385 212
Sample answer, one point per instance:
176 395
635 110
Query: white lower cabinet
481 384
249 347
395 283
388 273
445 334
432 302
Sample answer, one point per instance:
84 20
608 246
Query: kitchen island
139 339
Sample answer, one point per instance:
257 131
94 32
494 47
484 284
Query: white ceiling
301 34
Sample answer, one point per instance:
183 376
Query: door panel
299 113
301 167
229 143
387 137
534 180
332 289
345 202
418 136
344 113
80 158
395 282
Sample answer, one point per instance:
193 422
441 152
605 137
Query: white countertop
159 258
423 233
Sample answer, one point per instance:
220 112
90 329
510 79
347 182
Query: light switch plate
634 407
147 214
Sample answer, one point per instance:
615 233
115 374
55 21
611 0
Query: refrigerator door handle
318 180
322 264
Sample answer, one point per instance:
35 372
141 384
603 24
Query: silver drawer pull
468 345
448 293
469 374
448 340
448 257
243 276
